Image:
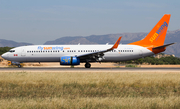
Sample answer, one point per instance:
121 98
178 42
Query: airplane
152 44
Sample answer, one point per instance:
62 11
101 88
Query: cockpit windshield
11 51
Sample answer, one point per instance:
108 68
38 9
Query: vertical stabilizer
156 36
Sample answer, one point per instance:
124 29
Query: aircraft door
23 52
140 53
7 54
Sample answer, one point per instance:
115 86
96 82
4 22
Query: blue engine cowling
69 60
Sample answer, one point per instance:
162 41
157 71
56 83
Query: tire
87 65
19 66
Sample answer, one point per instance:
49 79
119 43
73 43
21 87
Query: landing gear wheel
19 66
87 65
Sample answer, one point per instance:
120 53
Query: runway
60 69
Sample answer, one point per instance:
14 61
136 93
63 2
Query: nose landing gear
18 64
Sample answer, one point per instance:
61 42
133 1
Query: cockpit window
11 51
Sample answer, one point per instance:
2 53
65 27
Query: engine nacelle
69 60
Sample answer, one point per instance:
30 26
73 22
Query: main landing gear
87 65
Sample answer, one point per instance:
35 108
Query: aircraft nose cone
3 55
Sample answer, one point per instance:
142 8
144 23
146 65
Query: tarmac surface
99 69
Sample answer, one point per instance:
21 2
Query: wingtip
117 43
119 40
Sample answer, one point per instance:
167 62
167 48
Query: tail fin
157 35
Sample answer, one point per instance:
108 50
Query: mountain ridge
171 36
10 43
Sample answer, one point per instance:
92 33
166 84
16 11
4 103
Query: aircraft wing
98 56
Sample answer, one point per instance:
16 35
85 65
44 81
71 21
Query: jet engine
69 60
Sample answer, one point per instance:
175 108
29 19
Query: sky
38 21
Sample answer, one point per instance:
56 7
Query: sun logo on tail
158 32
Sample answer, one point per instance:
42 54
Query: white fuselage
52 53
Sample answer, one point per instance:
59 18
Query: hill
10 43
172 36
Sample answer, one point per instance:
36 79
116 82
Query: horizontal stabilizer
159 47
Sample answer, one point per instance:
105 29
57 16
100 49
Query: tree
4 49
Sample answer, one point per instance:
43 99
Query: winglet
116 44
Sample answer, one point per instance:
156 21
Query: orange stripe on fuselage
66 48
